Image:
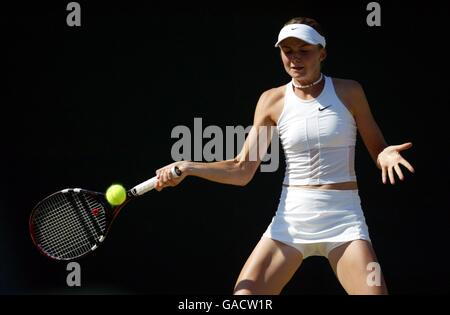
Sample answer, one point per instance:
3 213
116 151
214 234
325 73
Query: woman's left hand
389 160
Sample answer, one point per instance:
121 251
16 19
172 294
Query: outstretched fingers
399 172
391 175
407 165
403 146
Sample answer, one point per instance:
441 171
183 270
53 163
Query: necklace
308 85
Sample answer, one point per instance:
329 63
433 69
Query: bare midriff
335 186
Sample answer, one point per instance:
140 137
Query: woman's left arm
386 157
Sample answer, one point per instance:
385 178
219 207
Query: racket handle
148 185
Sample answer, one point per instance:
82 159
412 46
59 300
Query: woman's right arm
238 171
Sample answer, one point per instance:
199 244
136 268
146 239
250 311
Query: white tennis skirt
308 215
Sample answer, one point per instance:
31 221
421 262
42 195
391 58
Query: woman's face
300 59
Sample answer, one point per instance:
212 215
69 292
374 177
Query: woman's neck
310 92
307 85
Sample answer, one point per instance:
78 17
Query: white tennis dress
318 137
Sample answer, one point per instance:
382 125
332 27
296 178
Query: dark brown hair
308 21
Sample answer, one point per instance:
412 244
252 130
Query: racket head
71 223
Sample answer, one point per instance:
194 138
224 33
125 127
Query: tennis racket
73 222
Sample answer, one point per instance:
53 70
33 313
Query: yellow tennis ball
116 194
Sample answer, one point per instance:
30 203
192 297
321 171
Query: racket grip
148 185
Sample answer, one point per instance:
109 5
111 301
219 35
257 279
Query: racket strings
65 225
56 226
58 236
52 212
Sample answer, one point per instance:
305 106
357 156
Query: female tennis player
319 212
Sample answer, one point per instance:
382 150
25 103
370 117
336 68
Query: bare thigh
268 269
356 266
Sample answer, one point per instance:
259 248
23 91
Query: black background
88 106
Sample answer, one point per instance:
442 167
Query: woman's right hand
166 178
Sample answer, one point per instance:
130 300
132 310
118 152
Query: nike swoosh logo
321 109
294 28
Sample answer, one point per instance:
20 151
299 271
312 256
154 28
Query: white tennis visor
303 32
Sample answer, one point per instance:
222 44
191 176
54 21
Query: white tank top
318 137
